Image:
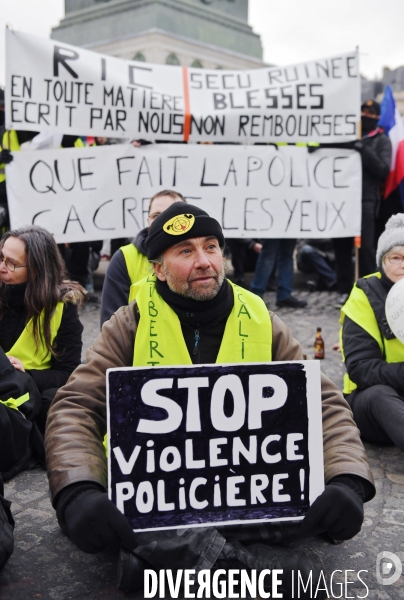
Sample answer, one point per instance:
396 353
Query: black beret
179 222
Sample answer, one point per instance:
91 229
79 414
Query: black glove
6 157
338 511
91 521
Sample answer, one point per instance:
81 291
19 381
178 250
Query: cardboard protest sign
52 86
253 191
214 444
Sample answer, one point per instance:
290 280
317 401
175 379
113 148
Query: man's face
158 206
193 268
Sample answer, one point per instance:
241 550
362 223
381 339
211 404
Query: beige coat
77 418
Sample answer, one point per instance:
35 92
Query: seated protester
316 256
40 329
131 263
374 357
195 297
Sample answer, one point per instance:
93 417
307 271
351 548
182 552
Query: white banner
52 86
253 191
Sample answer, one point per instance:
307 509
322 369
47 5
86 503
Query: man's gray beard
183 289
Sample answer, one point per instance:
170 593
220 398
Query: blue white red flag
392 123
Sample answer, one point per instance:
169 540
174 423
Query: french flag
392 123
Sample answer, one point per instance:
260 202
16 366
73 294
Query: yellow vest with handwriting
159 340
25 349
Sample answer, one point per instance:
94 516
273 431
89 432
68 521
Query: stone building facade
199 33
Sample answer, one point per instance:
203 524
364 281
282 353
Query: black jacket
376 156
364 360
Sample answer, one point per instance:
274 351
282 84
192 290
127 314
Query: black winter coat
376 157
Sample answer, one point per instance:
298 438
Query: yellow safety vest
9 142
159 340
137 263
359 310
25 349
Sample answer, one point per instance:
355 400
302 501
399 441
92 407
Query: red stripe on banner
187 105
396 177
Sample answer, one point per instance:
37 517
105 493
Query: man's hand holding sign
194 447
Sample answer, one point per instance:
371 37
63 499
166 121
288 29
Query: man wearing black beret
185 247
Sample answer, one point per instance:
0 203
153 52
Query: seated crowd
53 408
44 384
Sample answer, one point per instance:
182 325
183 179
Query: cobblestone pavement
46 565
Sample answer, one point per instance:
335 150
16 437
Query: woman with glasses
374 357
40 329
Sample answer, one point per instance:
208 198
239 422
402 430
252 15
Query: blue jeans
271 249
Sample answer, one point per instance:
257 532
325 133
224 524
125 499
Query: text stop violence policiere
214 444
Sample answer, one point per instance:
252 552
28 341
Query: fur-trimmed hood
73 292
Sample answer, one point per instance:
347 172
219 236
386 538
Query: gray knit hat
392 236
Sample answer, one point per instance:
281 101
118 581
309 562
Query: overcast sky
291 30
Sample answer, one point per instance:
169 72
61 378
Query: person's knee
306 250
378 398
381 391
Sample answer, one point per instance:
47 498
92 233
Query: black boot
299 568
6 528
130 571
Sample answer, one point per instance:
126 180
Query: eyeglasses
10 266
395 259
